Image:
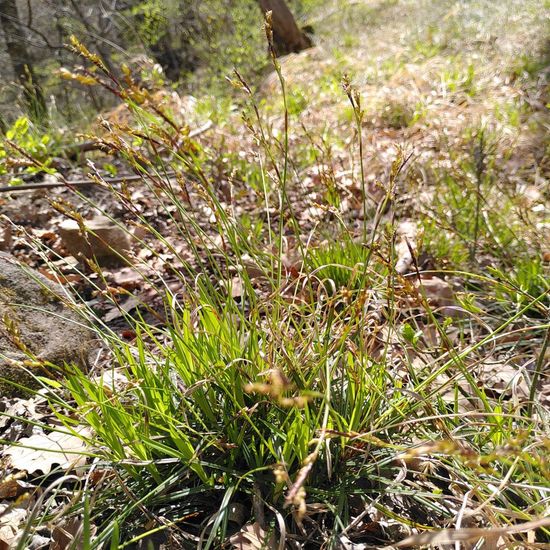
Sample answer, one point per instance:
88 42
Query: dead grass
404 311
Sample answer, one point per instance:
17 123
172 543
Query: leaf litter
446 117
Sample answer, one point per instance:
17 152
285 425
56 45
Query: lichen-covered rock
36 327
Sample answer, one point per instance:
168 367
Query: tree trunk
170 59
287 36
20 60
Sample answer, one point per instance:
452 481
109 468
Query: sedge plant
313 401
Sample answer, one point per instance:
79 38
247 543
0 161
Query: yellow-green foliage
23 143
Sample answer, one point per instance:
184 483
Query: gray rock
103 240
5 237
36 327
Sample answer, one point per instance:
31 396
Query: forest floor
331 330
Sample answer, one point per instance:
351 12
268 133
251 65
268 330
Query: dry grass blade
448 536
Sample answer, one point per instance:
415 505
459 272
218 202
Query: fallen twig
74 183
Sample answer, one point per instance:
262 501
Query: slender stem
538 372
480 159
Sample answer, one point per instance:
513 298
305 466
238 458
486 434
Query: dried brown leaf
448 536
253 537
41 451
68 534
10 522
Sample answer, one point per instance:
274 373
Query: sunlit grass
327 390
